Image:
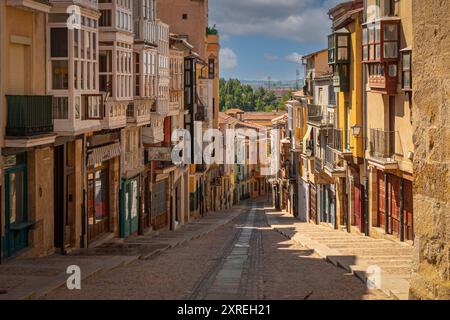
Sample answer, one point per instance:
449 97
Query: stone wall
431 82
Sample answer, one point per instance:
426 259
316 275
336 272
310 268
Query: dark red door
358 208
394 204
313 201
381 216
408 209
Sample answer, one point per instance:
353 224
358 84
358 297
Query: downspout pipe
1 121
365 138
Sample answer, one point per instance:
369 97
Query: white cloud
294 57
304 21
228 59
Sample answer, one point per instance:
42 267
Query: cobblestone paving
244 259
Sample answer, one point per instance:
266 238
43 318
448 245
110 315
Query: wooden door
408 209
358 207
59 197
394 204
313 202
381 212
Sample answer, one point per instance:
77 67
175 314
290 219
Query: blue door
16 213
130 207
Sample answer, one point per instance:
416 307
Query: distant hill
286 84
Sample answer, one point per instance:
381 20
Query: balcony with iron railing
29 116
332 162
338 142
383 145
318 164
319 116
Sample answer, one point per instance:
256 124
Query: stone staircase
355 253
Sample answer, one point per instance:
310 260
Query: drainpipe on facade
84 218
1 122
365 137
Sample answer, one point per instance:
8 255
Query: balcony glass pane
365 53
390 32
343 41
377 51
60 75
392 70
377 32
390 50
342 54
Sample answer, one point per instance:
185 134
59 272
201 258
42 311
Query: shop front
160 212
102 172
17 223
130 207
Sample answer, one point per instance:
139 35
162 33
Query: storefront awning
306 138
104 153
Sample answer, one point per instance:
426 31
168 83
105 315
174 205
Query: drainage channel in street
224 278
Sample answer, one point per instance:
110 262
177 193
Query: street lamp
356 130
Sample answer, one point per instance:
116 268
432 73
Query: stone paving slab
351 252
33 278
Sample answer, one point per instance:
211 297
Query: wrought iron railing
29 115
336 139
382 143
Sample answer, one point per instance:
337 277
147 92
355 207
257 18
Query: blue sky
261 38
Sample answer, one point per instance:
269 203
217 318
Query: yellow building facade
387 47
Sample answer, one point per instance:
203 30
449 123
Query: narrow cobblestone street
243 259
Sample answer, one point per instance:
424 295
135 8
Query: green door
130 207
16 220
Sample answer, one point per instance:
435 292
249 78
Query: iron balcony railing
318 164
382 143
320 115
330 157
336 139
29 115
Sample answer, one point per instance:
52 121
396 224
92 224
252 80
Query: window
60 107
390 41
105 19
137 70
93 106
60 75
59 47
211 68
105 66
77 107
406 70
184 16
